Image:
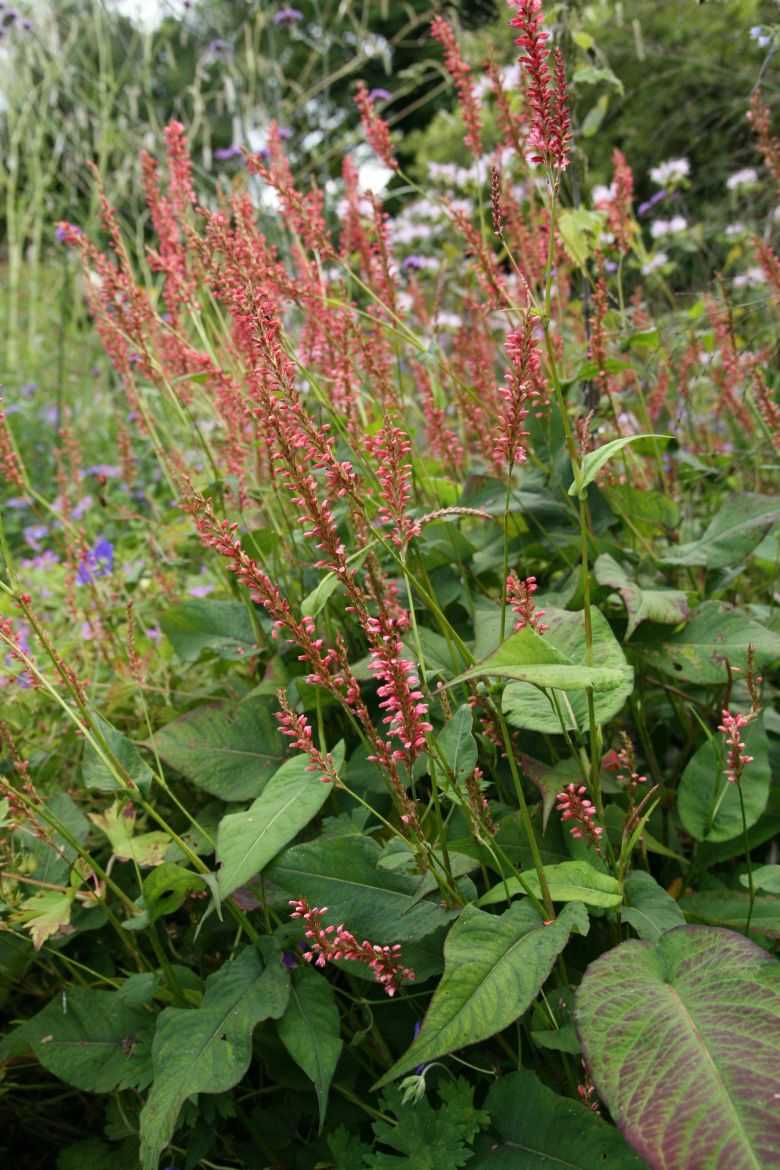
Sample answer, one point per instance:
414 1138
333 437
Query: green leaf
493 969
165 889
310 1030
568 881
198 625
457 744
765 877
527 707
427 1138
591 123
228 751
708 803
531 658
343 874
118 824
540 1130
595 460
97 774
93 1040
664 606
717 633
579 229
593 75
45 914
730 908
247 841
648 907
737 529
208 1049
682 1039
647 510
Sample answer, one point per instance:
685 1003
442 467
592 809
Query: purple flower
649 204
289 960
34 534
284 133
82 507
106 470
379 95
45 560
201 590
18 502
98 562
28 389
219 50
227 153
154 633
412 263
287 17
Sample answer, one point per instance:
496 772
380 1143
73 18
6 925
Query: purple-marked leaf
682 1039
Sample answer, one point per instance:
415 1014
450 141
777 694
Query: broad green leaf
732 535
247 841
765 877
540 1130
664 606
97 774
730 908
569 881
647 906
457 744
528 707
197 625
493 968
532 658
591 123
595 460
708 803
93 1040
682 1039
208 1049
228 751
717 633
593 75
343 874
310 1030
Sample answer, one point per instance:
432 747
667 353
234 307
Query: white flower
744 178
734 230
668 173
678 223
760 35
603 194
749 278
446 320
668 227
654 263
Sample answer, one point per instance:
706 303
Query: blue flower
98 562
379 95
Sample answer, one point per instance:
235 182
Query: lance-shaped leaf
648 907
569 881
595 460
97 773
208 1049
248 840
665 606
731 535
682 1039
310 1030
717 635
493 968
527 657
540 1130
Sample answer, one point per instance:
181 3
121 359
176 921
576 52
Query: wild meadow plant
435 826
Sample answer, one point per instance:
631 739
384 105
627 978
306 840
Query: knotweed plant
385 705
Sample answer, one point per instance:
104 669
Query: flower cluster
400 695
732 727
298 730
520 595
522 390
375 128
573 805
461 74
623 762
331 943
549 135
